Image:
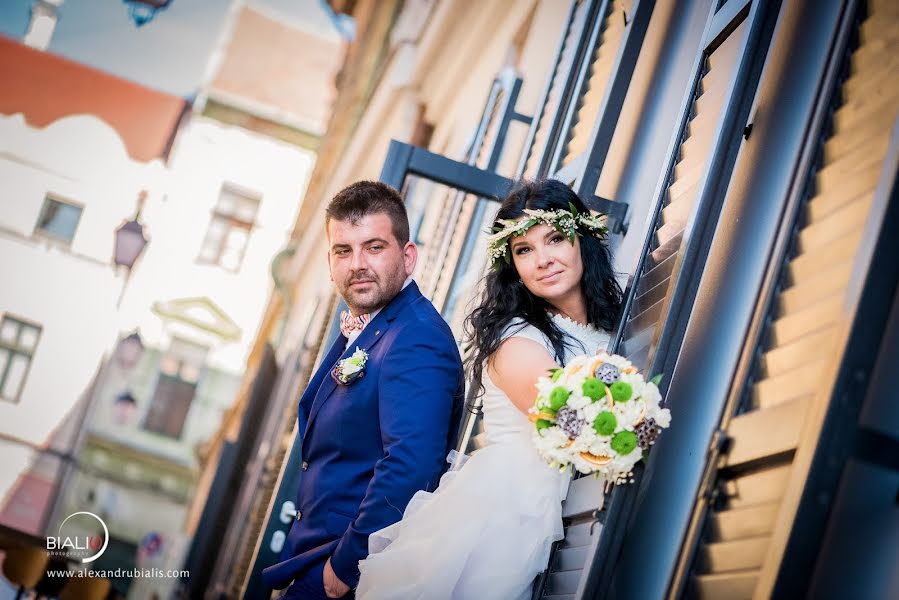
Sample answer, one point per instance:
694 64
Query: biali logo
87 547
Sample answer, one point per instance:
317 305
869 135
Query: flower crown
563 221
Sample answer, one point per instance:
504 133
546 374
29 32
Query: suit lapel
370 336
323 371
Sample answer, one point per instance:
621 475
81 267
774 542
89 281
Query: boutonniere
351 367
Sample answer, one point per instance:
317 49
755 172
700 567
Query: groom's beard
375 293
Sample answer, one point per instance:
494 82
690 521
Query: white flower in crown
350 367
564 221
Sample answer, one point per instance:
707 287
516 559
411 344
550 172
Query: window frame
183 360
18 351
231 222
43 234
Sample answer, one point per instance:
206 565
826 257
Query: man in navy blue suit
381 411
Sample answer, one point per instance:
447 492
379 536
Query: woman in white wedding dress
486 532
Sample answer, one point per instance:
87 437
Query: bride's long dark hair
506 297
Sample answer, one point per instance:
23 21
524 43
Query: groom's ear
410 257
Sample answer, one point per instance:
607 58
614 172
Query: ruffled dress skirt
484 534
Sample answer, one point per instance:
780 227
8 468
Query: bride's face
549 265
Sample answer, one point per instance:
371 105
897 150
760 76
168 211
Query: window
179 372
229 230
58 220
18 342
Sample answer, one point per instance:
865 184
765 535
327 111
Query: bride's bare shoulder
515 367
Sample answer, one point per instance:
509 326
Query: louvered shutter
709 112
612 37
655 281
742 542
579 109
564 578
536 155
598 71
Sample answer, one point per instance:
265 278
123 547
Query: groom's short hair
364 198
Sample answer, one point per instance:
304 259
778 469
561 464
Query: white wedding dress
486 532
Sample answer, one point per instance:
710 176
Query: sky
168 54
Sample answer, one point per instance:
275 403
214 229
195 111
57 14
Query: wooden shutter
590 77
598 71
757 479
541 137
659 268
564 576
445 209
579 567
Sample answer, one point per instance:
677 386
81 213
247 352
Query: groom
380 413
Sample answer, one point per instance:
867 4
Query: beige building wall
438 77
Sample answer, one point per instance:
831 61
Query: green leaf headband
563 221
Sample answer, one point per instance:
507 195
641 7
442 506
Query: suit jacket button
299 515
305 465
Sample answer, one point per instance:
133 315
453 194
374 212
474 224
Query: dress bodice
502 420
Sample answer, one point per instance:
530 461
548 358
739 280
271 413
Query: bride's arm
515 367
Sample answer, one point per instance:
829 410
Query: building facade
220 196
74 165
746 154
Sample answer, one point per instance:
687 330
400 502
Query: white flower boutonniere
351 367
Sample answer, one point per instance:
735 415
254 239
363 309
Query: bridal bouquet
597 414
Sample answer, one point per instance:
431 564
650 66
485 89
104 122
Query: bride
486 532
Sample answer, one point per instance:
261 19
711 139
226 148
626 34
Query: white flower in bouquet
578 401
629 414
662 417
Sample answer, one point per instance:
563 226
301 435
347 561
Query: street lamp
129 238
129 351
143 11
130 243
123 408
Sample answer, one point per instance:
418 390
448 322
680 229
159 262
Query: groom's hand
334 587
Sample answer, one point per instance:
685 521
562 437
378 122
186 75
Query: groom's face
368 265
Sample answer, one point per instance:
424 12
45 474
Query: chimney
42 24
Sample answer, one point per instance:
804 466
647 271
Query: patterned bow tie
349 323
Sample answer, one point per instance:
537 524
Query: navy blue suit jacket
369 445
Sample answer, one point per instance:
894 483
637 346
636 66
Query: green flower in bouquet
605 423
624 442
593 388
558 398
621 391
